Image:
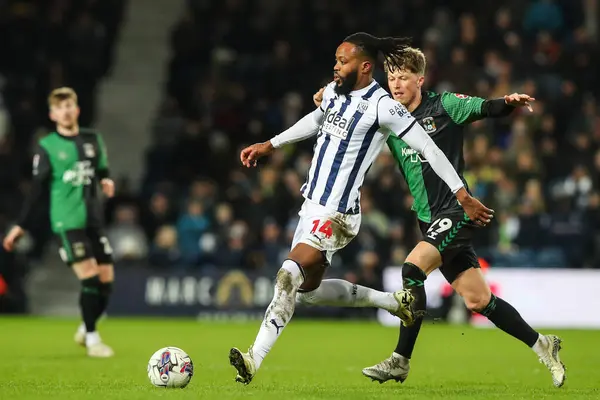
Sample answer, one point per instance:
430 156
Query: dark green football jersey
70 167
443 117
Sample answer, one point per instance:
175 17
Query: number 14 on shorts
322 226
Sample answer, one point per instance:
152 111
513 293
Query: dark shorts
452 233
81 244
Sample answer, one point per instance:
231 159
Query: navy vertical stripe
356 208
313 183
341 151
362 153
327 139
345 105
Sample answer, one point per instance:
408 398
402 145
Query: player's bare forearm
268 146
12 237
462 195
251 154
474 209
108 187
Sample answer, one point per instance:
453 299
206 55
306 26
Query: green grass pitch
312 360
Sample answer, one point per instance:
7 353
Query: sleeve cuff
103 174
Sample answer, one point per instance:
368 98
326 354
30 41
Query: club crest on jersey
428 125
461 96
88 150
363 106
336 125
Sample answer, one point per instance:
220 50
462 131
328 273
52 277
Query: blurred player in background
447 232
70 163
353 123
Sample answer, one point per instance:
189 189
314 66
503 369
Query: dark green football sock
505 317
105 292
413 279
90 302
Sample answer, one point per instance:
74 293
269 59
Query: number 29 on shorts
442 225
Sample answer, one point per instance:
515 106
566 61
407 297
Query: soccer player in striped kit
352 124
447 233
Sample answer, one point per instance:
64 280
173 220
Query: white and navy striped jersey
350 136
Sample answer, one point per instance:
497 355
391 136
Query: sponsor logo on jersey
336 125
399 110
415 157
428 124
461 96
88 150
81 174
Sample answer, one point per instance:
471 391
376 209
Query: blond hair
61 94
412 60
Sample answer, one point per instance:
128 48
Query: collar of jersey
424 97
67 137
363 91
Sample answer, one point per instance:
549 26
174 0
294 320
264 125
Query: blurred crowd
244 70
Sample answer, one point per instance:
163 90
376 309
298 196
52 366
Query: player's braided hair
391 48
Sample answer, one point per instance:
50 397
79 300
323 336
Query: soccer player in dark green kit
71 163
447 232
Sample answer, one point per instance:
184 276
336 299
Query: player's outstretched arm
395 117
464 109
305 128
41 174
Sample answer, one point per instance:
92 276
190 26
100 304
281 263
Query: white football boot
79 337
244 364
404 311
551 360
395 367
100 350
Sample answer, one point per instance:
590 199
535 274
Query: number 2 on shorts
324 229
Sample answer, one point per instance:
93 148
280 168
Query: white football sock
92 338
280 311
403 360
338 292
541 345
